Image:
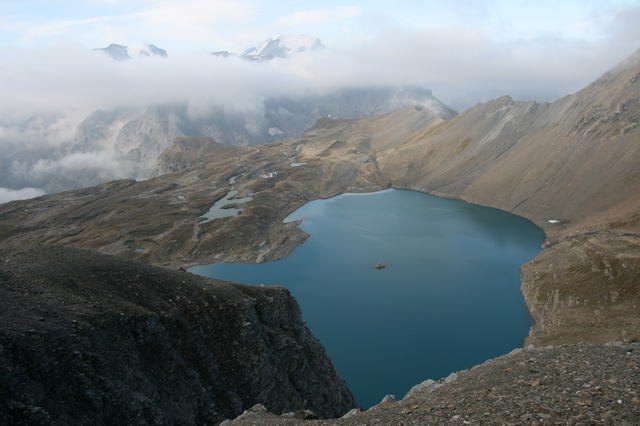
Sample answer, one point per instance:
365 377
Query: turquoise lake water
448 299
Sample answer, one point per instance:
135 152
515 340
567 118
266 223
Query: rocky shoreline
568 384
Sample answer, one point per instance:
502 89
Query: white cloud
197 11
320 16
7 194
192 19
70 77
57 28
187 20
464 66
104 162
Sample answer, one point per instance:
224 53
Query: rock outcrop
87 338
585 288
186 153
570 384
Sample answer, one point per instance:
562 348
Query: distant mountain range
279 46
135 137
141 136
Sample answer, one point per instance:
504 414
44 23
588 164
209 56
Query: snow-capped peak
147 50
281 46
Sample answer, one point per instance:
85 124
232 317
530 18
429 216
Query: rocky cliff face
87 338
585 288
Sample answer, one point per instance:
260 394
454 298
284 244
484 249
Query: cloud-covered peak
147 50
122 53
115 51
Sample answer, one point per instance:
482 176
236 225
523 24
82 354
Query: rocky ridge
89 338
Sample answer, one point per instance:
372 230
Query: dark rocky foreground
87 338
579 384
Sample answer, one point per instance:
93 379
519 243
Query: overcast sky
234 24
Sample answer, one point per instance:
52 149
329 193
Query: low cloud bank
461 65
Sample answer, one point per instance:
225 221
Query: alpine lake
447 298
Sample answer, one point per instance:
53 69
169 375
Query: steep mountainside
88 338
573 160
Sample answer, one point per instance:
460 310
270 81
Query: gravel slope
578 384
